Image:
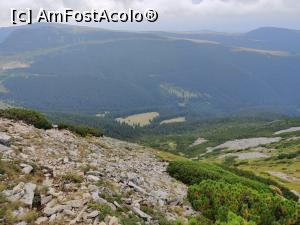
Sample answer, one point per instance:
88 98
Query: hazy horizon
158 30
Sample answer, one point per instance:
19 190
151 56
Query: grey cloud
196 13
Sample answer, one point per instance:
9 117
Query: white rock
48 182
87 197
21 223
92 188
74 203
29 193
56 209
4 148
141 214
96 221
18 188
136 187
45 199
112 220
41 220
23 156
22 192
92 178
26 168
66 160
117 204
94 173
5 139
52 192
79 215
52 218
69 213
132 176
159 194
93 214
52 203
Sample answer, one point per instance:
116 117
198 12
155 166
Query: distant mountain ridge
92 70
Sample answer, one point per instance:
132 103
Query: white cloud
196 13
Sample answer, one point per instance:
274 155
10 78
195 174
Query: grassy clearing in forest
141 119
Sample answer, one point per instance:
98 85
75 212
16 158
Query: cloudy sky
183 15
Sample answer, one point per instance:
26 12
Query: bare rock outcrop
75 180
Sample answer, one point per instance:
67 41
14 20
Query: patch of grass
167 156
81 130
9 169
130 219
159 216
6 209
142 119
28 116
104 210
230 160
111 198
30 217
262 168
86 168
72 177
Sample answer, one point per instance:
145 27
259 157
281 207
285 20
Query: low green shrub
28 116
233 219
193 172
248 174
215 199
81 130
200 220
291 155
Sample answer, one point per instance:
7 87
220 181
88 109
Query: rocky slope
55 177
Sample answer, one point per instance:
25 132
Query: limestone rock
94 173
45 199
93 214
112 220
141 214
92 178
136 187
74 203
26 168
126 170
56 209
5 139
21 223
41 220
78 216
4 149
22 192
